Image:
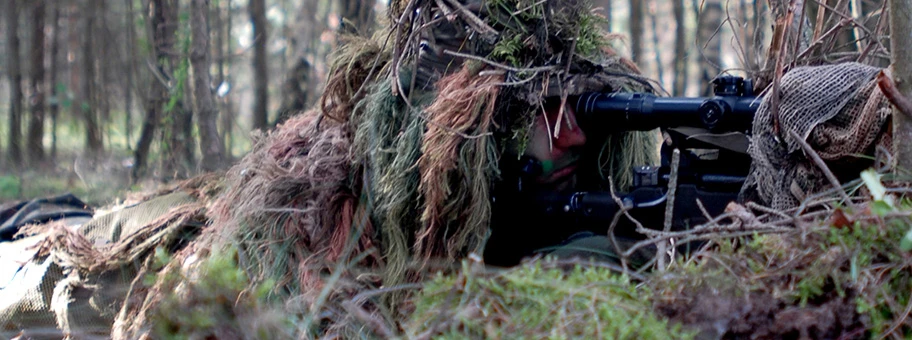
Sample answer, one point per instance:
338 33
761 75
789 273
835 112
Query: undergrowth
216 302
537 301
843 275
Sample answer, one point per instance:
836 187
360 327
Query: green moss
537 301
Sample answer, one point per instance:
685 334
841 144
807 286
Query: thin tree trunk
162 33
636 31
129 68
89 108
609 17
37 84
257 11
211 146
55 96
186 142
15 75
176 147
710 44
103 71
901 28
228 117
655 40
747 34
680 63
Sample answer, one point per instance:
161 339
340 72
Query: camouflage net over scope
843 124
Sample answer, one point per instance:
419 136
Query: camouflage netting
844 125
73 279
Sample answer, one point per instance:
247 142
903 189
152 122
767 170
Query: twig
447 12
780 37
898 322
819 41
669 205
473 20
703 210
800 28
624 210
768 210
854 22
563 91
397 55
819 26
877 29
370 74
499 65
528 7
889 90
378 326
823 167
158 75
742 55
813 200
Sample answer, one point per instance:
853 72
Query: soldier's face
558 154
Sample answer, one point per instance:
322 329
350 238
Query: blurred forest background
101 96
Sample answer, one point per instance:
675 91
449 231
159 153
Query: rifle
711 132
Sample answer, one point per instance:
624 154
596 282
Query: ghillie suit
393 174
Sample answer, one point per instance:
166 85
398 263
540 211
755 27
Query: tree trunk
257 11
184 140
680 62
901 34
211 146
228 117
711 45
103 71
162 43
15 75
56 99
89 107
653 20
636 31
128 67
37 98
609 16
176 147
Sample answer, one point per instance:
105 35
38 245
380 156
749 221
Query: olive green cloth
41 298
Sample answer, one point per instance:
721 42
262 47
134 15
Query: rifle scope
730 110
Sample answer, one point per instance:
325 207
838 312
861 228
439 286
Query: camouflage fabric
46 296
